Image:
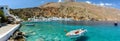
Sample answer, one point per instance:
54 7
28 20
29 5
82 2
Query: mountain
74 10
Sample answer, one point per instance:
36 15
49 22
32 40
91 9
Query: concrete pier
7 31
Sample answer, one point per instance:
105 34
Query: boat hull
72 34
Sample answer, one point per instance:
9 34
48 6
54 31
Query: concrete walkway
7 31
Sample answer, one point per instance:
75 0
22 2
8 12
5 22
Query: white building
5 9
70 0
67 0
6 12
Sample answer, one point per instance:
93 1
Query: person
115 24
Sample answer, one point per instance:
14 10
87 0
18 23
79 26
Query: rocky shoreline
17 36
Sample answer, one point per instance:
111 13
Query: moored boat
30 24
76 33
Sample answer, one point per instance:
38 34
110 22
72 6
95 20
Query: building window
6 8
1 8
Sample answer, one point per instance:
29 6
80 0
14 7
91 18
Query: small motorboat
30 24
76 33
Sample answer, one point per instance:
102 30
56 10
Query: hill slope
77 11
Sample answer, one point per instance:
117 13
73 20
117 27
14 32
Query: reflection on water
82 38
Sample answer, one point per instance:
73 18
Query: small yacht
76 33
30 24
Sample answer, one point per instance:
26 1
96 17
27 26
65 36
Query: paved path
7 30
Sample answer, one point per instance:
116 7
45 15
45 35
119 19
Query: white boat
76 33
30 24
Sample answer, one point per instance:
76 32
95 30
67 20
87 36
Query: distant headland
74 10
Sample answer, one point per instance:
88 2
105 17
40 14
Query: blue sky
33 3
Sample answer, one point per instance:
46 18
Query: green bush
3 18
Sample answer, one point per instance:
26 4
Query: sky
14 4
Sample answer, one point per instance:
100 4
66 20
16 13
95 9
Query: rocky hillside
74 10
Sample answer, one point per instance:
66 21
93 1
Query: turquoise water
55 31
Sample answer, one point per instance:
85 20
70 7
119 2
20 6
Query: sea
56 30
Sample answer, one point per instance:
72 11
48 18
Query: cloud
108 4
60 1
42 1
88 2
104 4
99 4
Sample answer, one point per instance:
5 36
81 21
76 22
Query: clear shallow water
55 31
